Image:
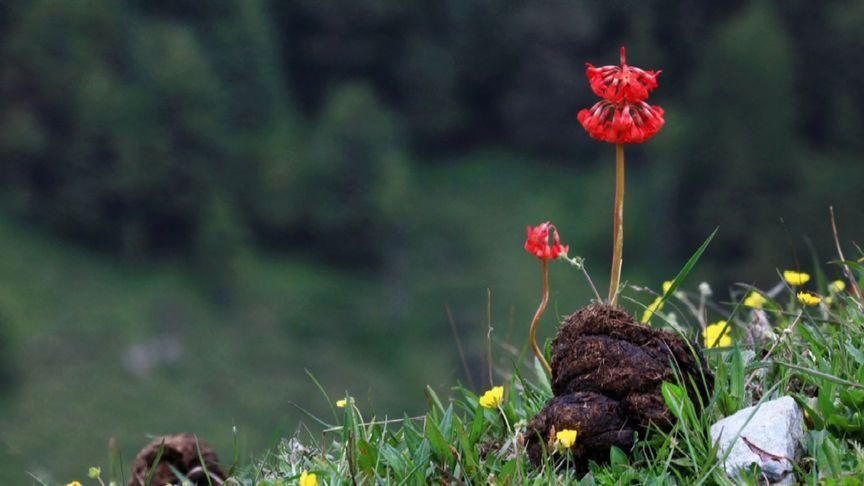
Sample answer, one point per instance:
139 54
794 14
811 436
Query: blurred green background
201 200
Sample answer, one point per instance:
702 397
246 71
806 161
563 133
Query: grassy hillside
106 349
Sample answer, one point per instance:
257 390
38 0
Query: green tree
739 150
122 119
356 171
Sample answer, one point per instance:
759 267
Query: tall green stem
618 226
540 310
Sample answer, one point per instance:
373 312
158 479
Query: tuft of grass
814 354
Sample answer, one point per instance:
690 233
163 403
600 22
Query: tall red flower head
622 83
624 122
622 116
538 241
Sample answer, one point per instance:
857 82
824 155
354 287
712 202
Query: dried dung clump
606 375
181 453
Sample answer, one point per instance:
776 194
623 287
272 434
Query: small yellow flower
794 278
651 310
74 483
828 300
666 286
656 305
492 398
307 479
94 472
837 286
809 299
717 335
755 300
565 438
343 402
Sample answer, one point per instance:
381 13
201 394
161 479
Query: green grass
818 358
74 316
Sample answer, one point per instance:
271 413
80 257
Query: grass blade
201 461
687 267
152 471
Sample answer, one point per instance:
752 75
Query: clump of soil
181 452
607 371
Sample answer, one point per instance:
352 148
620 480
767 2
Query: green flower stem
579 263
506 422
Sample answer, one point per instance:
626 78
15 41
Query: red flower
622 83
538 242
622 116
622 122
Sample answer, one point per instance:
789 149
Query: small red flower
622 122
622 116
538 242
622 83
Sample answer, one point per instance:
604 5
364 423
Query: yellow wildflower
74 483
794 278
809 299
717 335
651 309
94 472
492 398
755 300
657 304
828 300
837 286
565 438
343 402
307 479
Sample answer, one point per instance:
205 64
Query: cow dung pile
607 372
180 452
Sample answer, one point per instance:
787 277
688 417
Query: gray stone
774 434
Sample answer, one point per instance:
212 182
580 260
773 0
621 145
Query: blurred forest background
201 200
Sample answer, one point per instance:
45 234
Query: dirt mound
181 453
606 375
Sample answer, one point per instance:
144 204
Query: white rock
776 428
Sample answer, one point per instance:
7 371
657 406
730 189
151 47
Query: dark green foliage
119 120
7 374
745 132
356 165
342 188
125 125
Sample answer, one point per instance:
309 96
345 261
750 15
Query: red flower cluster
538 242
621 83
622 116
624 122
